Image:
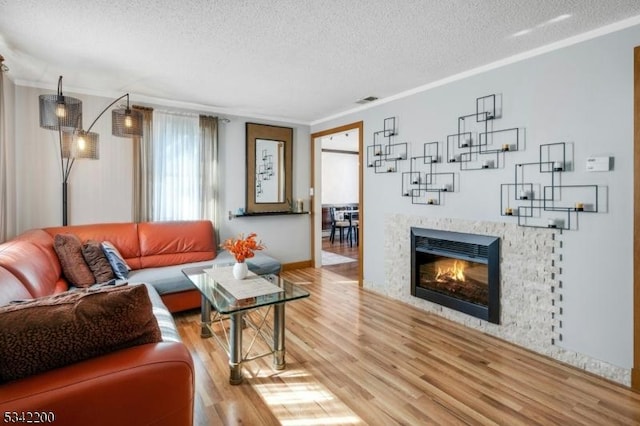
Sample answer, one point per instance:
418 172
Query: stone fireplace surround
530 298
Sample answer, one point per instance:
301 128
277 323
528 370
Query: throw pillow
119 266
68 247
97 261
54 331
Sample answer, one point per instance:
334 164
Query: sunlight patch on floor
297 398
347 282
299 394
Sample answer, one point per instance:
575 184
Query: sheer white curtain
176 154
184 167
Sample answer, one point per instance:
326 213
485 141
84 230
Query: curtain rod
183 113
143 108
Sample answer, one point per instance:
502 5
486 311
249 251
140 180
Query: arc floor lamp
64 114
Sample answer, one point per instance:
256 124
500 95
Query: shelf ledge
257 214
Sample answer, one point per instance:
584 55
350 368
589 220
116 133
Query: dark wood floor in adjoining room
355 358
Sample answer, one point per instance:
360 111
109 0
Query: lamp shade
81 144
60 112
126 123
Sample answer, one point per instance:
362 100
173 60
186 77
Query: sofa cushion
11 288
31 265
166 279
122 235
50 332
173 243
259 264
119 266
165 320
43 240
74 267
97 261
170 279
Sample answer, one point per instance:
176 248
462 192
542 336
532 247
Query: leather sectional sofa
146 384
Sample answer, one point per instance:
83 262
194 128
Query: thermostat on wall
598 164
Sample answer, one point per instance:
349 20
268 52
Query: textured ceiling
298 60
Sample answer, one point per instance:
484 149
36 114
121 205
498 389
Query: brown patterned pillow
50 332
97 261
68 247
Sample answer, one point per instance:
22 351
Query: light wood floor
354 357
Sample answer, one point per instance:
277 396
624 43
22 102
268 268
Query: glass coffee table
226 307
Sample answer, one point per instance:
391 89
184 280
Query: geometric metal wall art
427 186
538 202
384 154
477 145
550 204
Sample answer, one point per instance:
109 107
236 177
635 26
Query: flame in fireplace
452 273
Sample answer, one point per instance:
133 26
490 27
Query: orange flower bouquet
243 248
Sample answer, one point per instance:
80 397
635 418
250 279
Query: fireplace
456 270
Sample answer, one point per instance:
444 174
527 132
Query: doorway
340 193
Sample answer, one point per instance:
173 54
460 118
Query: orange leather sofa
148 245
146 384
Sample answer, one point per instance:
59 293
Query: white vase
240 270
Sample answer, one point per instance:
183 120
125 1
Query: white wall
339 178
580 94
101 191
287 237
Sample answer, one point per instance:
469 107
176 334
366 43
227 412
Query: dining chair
337 224
354 228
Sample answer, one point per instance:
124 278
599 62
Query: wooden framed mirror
269 168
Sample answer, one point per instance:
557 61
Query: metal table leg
235 348
205 318
278 336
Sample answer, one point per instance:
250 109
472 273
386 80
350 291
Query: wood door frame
358 125
635 371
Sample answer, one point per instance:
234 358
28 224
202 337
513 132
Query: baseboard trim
297 265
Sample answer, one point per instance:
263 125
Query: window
183 154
